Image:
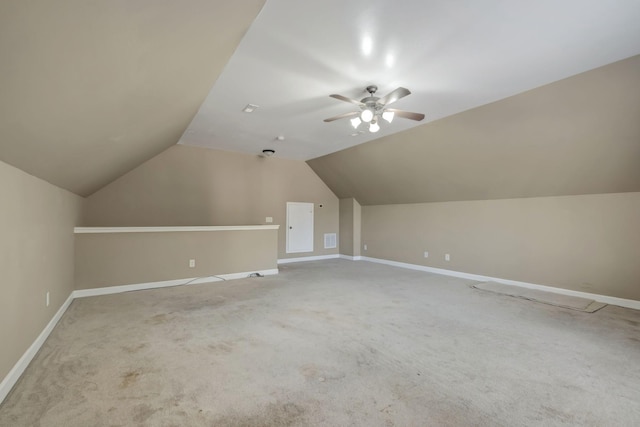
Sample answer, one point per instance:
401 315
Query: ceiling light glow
389 60
355 122
374 127
366 115
367 45
388 116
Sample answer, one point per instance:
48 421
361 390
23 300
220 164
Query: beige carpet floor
331 343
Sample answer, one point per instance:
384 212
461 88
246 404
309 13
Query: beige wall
110 259
585 243
36 257
357 228
196 186
350 216
346 226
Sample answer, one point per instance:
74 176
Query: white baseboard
14 374
307 258
351 258
628 303
246 274
80 293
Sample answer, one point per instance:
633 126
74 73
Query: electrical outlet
192 263
447 257
268 219
426 254
365 247
47 299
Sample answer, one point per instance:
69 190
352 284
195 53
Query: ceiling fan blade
406 114
345 99
343 116
393 96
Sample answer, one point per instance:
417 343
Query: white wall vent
330 241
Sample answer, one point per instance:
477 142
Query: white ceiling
452 55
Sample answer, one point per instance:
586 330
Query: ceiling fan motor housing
371 103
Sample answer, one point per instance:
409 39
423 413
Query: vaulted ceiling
452 56
90 90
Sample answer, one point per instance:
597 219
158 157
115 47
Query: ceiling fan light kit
367 115
372 108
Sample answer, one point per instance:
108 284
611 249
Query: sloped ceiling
580 135
451 55
91 89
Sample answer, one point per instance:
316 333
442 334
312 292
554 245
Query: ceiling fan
373 108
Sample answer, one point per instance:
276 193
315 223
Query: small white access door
299 227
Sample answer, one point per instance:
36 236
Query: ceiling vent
250 108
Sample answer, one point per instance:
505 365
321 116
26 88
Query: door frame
287 249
